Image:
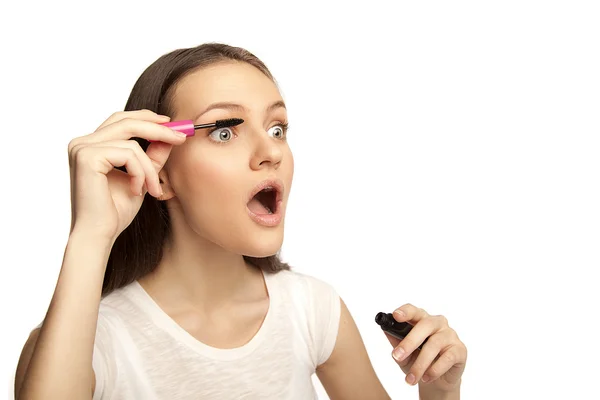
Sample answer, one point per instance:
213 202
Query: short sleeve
324 317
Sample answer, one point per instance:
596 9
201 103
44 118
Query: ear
168 192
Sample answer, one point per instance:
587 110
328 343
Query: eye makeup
284 126
187 126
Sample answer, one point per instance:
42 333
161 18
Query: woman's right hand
105 200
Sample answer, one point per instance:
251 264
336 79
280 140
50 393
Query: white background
447 155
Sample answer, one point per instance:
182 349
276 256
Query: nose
267 151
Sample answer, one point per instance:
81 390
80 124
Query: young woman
171 286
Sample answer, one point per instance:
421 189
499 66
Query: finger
436 344
150 172
409 313
394 341
406 361
450 363
143 114
128 128
105 159
159 152
418 334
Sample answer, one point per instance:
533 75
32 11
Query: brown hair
138 249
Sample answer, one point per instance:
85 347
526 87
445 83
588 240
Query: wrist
431 392
89 246
86 236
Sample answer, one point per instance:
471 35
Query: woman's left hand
441 362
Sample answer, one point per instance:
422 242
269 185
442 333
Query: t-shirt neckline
166 323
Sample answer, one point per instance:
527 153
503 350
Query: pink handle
184 126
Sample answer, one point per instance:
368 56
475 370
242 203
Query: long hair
138 249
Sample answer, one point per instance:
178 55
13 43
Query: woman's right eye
221 134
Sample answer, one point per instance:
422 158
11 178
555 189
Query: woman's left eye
278 131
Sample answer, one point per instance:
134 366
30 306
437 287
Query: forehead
225 82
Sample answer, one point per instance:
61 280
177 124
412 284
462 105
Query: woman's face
215 175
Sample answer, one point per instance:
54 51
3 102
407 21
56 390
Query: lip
268 219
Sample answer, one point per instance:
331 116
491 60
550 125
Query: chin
261 246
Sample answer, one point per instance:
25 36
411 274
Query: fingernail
425 378
398 353
410 379
179 134
400 313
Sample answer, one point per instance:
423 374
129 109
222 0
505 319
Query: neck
198 272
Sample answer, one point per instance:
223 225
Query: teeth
269 210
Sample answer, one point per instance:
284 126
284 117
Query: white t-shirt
141 353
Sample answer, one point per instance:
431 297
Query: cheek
289 169
208 180
211 173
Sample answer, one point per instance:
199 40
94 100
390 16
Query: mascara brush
187 126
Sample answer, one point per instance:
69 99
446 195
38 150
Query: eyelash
284 126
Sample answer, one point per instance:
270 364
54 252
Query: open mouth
265 201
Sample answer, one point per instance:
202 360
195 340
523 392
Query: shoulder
306 283
118 311
117 315
115 305
307 292
317 307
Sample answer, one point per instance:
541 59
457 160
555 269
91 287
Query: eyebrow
238 107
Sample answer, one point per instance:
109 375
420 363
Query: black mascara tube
396 329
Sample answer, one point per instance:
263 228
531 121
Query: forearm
61 363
